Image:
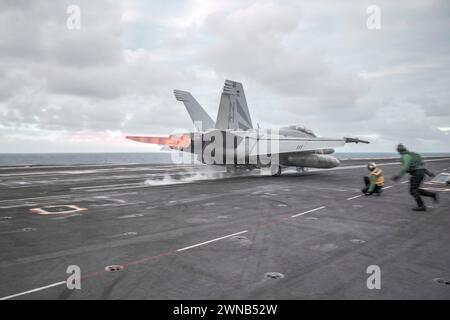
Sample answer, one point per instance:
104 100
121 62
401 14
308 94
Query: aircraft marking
33 290
214 240
351 198
309 211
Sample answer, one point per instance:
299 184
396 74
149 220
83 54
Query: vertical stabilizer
233 110
200 118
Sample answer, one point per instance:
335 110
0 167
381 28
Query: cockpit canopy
300 130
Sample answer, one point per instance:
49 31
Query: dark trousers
377 188
414 186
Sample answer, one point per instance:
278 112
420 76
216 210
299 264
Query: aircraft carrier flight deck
191 232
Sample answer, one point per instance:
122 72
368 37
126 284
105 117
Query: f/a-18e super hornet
232 141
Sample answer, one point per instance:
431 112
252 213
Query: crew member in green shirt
412 163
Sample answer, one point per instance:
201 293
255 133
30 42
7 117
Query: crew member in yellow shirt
375 181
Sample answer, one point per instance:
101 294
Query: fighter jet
233 142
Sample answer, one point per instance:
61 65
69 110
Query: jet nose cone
336 162
332 161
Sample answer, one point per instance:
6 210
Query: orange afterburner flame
179 142
163 141
173 141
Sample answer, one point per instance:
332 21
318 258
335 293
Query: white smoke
185 177
191 177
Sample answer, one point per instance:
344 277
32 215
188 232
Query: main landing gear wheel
275 170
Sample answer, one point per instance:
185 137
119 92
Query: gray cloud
309 63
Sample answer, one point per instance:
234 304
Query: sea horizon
153 157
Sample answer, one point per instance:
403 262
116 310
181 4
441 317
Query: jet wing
263 144
273 146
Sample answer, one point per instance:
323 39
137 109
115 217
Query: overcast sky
314 63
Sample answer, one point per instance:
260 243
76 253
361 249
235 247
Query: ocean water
18 159
15 159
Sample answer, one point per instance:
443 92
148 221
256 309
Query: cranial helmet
371 166
401 148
